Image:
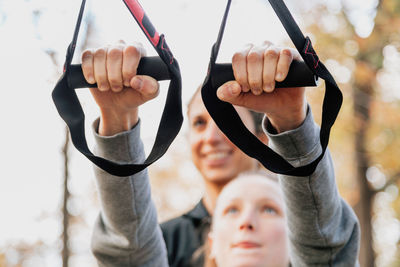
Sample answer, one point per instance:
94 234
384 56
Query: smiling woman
214 155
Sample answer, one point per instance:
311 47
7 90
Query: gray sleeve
323 229
126 232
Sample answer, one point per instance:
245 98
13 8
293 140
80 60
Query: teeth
217 155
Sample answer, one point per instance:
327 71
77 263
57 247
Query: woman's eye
198 123
269 210
232 210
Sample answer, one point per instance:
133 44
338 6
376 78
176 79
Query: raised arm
323 229
126 232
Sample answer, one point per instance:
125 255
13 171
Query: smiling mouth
217 155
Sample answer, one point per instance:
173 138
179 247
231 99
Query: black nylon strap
71 111
230 123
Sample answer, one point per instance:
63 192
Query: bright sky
32 132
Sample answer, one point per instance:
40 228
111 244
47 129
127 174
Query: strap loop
227 119
69 108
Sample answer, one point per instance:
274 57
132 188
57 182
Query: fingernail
256 91
91 80
220 94
268 88
137 83
117 89
234 90
279 76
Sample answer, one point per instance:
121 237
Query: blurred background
48 200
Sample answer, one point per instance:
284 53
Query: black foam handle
299 75
151 66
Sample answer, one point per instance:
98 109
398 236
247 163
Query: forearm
322 227
126 232
113 122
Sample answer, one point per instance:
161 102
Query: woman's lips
246 245
218 158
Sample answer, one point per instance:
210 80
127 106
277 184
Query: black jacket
185 237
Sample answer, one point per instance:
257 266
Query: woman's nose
248 221
247 226
213 133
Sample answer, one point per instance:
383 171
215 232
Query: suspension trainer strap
230 123
69 108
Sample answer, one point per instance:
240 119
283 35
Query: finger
147 86
131 58
271 56
255 70
87 66
282 69
239 66
100 71
114 68
230 92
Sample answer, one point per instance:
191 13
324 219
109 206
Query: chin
218 177
248 262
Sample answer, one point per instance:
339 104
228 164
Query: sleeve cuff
299 146
124 147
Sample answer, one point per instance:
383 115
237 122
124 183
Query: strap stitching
312 53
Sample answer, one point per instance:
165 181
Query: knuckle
237 57
287 52
87 55
132 50
271 53
254 56
100 52
114 53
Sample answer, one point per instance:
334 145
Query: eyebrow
263 199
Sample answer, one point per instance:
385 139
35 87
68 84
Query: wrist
113 122
288 121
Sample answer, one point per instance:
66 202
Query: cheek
194 148
222 237
244 162
276 240
275 230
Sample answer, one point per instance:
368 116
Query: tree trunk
364 207
66 215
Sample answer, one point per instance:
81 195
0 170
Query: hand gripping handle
299 74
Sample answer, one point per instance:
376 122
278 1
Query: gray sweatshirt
323 229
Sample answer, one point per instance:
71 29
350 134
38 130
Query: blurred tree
373 124
66 215
68 219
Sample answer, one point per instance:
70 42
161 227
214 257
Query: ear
210 239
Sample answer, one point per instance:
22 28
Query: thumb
146 86
230 92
